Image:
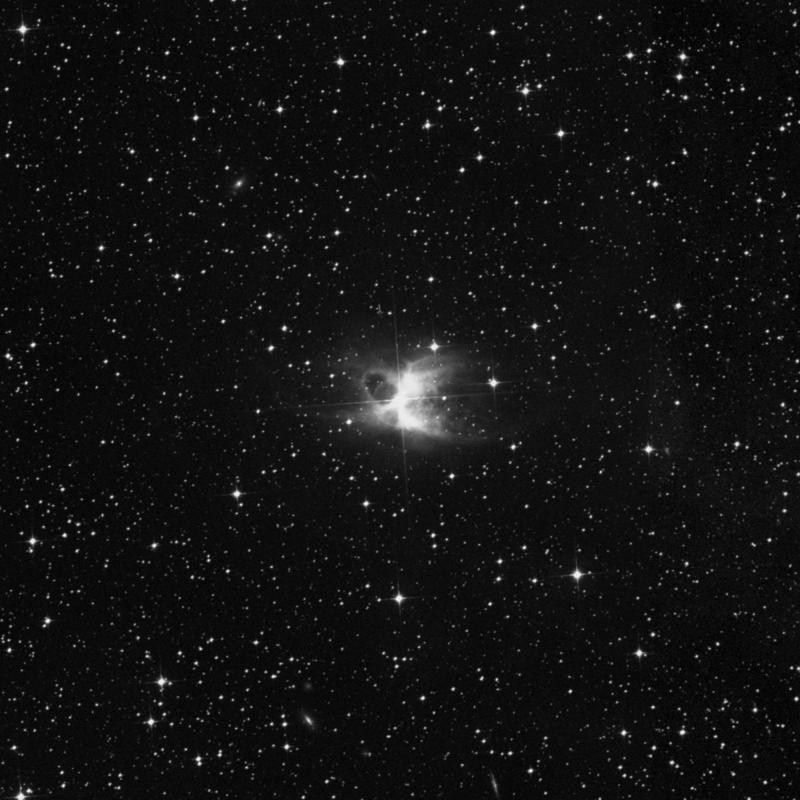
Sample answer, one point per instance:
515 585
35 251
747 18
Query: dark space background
209 221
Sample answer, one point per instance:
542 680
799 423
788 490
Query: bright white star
409 390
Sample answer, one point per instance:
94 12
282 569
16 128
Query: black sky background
185 302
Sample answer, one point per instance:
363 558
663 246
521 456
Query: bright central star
409 390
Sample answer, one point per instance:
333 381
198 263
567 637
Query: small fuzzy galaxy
401 401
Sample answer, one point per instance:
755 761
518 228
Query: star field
400 401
